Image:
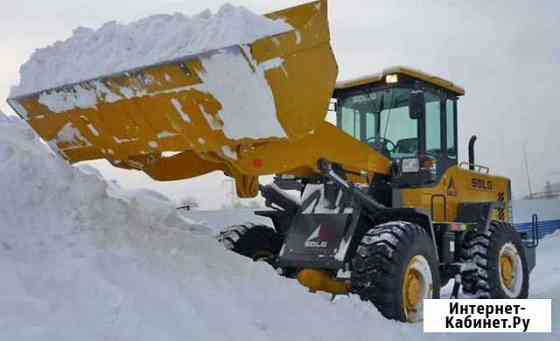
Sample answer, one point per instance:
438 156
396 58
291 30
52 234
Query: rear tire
395 267
498 267
258 242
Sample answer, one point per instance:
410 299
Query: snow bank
83 259
118 47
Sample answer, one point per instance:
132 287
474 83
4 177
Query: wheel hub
510 270
413 289
507 270
417 285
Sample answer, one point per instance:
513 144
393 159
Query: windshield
380 118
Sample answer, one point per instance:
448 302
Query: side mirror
416 105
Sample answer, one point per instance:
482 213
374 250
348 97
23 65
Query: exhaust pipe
471 152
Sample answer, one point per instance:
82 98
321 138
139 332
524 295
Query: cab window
434 141
451 131
385 115
350 121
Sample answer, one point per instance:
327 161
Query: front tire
498 267
258 242
395 267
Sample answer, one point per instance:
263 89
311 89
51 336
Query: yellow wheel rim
511 271
417 285
412 289
507 270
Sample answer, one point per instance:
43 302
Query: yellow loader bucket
247 110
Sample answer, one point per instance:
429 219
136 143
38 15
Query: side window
433 124
451 138
371 126
350 122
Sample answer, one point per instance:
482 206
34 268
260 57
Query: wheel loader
378 204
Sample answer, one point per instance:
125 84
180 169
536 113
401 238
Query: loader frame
354 213
346 227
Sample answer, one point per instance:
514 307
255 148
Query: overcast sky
506 54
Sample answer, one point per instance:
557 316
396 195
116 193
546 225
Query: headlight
392 79
410 165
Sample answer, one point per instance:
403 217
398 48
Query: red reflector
258 163
456 227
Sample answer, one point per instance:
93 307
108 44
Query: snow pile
252 102
82 259
3 117
118 47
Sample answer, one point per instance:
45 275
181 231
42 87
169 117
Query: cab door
439 143
440 130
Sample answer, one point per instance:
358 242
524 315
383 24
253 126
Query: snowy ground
82 259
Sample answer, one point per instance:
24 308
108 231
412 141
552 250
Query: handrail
535 231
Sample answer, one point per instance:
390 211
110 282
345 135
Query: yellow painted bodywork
148 120
457 187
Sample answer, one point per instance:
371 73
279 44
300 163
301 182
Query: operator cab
406 115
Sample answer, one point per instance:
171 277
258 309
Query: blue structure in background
545 227
546 210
